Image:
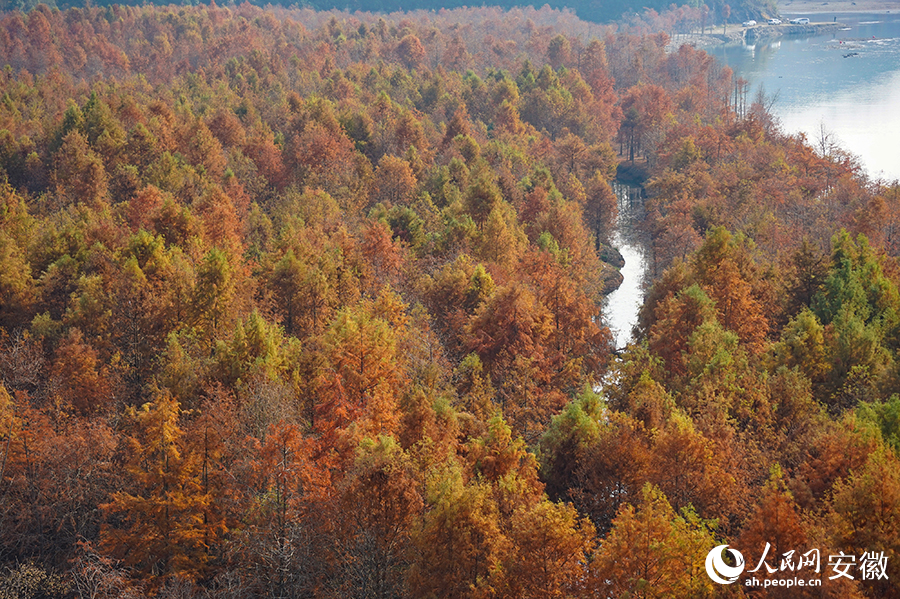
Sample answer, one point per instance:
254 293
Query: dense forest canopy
305 304
597 11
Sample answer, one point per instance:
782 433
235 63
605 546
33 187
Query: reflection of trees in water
622 305
744 58
631 212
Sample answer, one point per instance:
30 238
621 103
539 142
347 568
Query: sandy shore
808 7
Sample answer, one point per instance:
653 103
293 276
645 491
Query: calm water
857 97
620 308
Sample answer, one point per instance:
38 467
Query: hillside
305 304
596 11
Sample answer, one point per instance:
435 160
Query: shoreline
736 34
838 7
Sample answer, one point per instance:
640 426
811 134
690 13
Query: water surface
857 98
620 308
847 80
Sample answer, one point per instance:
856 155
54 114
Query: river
620 308
848 81
856 98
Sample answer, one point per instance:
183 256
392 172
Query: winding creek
847 81
620 308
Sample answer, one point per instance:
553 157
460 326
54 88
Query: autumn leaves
294 310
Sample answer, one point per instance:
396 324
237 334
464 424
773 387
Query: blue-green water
847 80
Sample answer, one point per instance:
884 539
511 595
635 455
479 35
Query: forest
598 11
308 304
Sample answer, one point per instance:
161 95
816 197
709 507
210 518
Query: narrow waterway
620 308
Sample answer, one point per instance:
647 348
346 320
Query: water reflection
620 308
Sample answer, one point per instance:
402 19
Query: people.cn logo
721 572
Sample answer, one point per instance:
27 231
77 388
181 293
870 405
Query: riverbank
737 34
769 32
837 7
